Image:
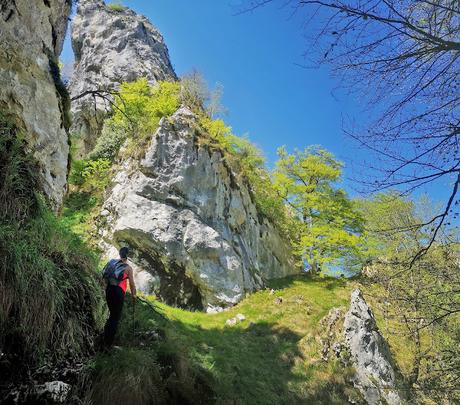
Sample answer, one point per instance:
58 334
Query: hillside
256 284
272 347
272 356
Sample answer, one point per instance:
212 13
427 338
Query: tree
403 56
423 299
328 224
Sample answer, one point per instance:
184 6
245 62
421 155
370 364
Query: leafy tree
424 298
403 58
329 225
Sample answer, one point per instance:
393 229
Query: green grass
272 357
130 378
77 211
50 299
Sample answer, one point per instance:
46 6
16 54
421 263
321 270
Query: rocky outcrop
110 46
192 225
376 375
354 339
31 93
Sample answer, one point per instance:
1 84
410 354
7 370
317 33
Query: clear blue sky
256 57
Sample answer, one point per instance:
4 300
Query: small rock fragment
56 391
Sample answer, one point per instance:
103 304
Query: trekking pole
134 319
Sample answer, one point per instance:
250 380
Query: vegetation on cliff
50 306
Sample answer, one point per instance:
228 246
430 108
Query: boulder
192 223
31 92
111 46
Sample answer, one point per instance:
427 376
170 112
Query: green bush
116 6
91 175
109 142
138 110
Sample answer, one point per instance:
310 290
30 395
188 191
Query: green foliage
388 218
109 142
422 306
50 299
116 6
18 176
248 161
329 224
92 175
77 212
137 113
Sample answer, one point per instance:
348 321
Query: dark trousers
115 297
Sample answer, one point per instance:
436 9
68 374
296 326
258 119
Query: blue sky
256 57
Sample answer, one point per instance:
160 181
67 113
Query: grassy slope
272 357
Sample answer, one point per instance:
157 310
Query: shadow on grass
250 363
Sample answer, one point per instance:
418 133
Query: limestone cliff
110 46
31 93
192 226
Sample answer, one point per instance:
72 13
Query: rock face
31 93
376 376
190 224
110 46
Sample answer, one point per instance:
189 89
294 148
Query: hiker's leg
115 298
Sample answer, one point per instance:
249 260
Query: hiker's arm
132 285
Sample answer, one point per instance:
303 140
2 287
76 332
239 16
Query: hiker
117 272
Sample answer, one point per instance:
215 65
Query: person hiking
117 272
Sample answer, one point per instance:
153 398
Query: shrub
109 142
138 110
116 6
194 91
247 160
91 175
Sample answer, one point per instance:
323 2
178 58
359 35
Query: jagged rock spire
111 46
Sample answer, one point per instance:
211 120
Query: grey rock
191 223
55 391
376 375
330 331
110 47
31 38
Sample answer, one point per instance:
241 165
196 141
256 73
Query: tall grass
50 300
128 377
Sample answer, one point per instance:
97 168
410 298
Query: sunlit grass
270 357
